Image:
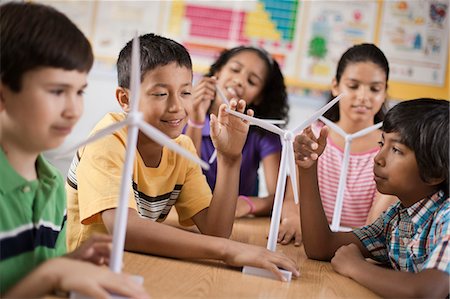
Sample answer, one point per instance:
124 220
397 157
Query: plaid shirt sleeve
439 255
373 237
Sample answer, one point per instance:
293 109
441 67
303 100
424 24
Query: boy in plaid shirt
412 236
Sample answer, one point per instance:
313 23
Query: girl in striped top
362 75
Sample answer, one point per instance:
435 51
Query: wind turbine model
135 122
335 223
287 162
225 100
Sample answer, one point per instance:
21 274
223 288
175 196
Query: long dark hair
274 103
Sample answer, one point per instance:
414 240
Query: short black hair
423 126
274 103
359 53
36 35
155 51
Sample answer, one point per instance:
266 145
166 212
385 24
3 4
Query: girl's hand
308 148
204 93
229 132
96 250
290 230
346 259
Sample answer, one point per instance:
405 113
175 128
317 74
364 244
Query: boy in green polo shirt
45 60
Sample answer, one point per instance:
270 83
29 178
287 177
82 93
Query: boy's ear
334 87
435 181
122 96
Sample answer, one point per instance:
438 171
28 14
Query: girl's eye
57 92
81 92
353 86
375 89
186 93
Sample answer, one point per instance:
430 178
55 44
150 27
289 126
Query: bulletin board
306 37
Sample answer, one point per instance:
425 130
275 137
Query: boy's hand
96 249
204 93
346 259
240 254
93 281
308 148
228 132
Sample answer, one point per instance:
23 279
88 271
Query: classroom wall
306 37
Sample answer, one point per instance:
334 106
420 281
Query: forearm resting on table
155 238
429 283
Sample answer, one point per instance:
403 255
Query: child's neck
351 127
22 161
417 195
150 151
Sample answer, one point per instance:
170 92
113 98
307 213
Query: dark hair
423 126
360 53
274 103
155 51
36 35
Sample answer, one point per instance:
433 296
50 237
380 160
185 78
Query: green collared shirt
32 218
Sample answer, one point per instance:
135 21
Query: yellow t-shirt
94 178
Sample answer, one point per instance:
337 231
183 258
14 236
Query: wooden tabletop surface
172 278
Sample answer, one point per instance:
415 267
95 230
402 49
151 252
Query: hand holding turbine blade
225 100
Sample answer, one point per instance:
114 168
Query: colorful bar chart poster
332 27
208 27
414 36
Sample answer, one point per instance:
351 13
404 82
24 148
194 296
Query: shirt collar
422 210
12 180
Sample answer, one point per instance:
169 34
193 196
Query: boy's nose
73 107
174 104
379 158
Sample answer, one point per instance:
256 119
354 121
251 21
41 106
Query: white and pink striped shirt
360 186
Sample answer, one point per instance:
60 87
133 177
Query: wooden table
172 278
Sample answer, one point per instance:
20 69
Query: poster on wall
330 28
116 23
79 12
208 27
414 36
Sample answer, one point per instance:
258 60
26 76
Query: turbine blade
258 122
292 169
333 126
162 139
135 80
367 130
222 95
275 121
213 157
316 115
99 134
